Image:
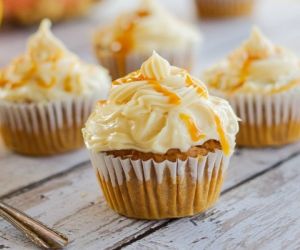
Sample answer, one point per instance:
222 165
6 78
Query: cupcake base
44 143
224 8
146 189
44 128
262 135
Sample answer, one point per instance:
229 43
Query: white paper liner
116 170
49 116
182 58
258 109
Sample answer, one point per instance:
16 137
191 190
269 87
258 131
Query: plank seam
33 185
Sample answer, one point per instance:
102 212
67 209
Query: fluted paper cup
267 120
147 189
44 128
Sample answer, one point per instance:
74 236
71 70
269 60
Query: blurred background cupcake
124 45
32 11
46 95
224 8
262 82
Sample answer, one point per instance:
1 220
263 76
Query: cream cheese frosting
157 108
48 71
258 66
147 28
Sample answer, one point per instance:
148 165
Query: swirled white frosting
147 28
157 108
48 71
257 66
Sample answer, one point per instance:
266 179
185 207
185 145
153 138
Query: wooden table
259 207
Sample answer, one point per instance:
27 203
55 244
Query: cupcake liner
44 128
267 120
224 8
120 65
158 190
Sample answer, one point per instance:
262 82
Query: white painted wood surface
259 207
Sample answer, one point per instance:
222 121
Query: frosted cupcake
262 82
123 46
46 95
160 144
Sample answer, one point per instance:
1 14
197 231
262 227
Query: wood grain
72 204
264 214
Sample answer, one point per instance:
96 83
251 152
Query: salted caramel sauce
46 85
138 76
286 87
101 102
173 98
194 132
200 90
223 139
124 42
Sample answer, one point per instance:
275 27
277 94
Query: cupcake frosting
157 108
48 71
147 28
258 66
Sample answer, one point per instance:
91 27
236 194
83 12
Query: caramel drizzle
287 87
101 102
194 132
223 139
124 36
173 98
138 76
190 82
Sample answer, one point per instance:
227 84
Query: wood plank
19 171
72 204
262 214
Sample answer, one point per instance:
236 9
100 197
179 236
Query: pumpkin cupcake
123 46
46 94
262 82
160 144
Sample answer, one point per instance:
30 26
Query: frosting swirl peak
157 108
156 67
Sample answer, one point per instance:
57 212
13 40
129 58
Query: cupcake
46 95
224 8
160 144
262 82
31 11
123 46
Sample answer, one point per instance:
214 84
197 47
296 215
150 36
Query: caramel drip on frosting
223 139
46 85
173 98
190 82
191 126
101 102
132 77
287 87
124 41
